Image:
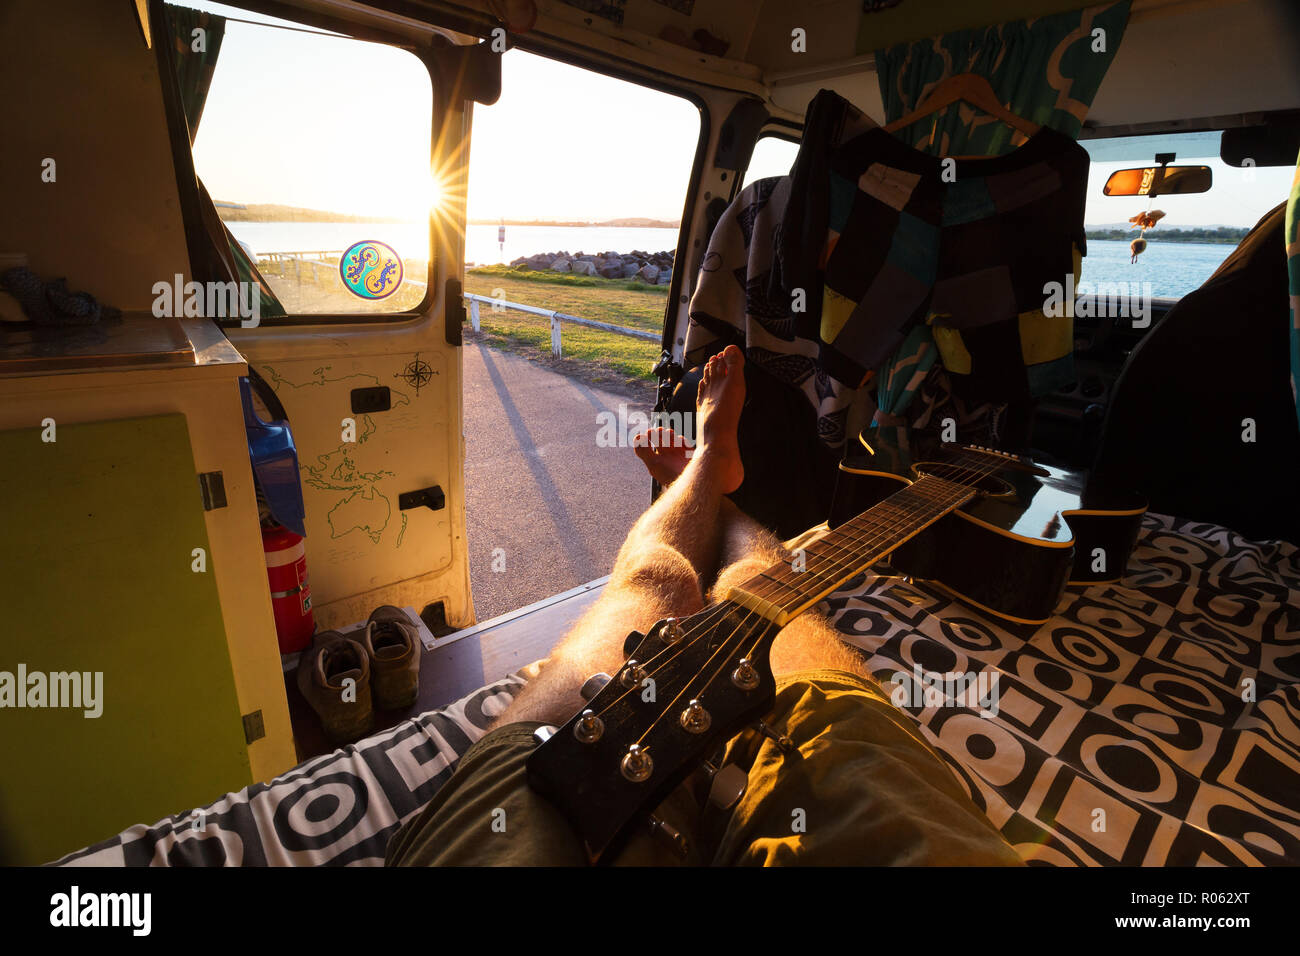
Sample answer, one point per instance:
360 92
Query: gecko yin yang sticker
371 269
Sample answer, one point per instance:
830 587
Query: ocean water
411 240
1172 268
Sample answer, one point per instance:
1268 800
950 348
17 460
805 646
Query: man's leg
657 572
809 642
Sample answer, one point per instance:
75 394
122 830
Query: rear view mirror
1159 181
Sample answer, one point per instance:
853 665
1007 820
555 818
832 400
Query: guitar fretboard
787 588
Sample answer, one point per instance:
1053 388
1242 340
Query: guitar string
876 534
723 647
965 499
654 665
900 517
906 516
859 547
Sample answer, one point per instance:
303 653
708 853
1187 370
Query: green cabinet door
98 533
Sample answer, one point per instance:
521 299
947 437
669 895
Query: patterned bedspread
339 809
1153 721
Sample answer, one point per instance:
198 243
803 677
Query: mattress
1152 721
339 809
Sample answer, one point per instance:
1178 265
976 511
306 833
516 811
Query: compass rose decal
417 374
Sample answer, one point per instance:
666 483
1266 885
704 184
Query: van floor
459 663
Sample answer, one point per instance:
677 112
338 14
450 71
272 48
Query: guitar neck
788 588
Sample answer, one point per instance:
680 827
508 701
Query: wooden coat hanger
976 91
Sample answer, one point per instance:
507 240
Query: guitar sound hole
990 485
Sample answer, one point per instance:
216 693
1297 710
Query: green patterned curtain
1292 235
1046 70
196 41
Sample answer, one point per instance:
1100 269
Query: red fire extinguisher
286 569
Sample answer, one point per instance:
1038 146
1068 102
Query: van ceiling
1182 63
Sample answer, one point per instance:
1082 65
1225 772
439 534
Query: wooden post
555 335
473 314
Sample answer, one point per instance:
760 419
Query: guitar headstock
688 686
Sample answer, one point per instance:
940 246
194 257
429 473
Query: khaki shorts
864 789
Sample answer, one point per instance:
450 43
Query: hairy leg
658 570
809 642
655 583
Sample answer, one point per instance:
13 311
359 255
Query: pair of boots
345 679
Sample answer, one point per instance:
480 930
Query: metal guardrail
556 318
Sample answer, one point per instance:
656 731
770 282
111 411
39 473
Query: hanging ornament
1143 221
1147 220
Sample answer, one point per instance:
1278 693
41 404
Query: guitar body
1011 551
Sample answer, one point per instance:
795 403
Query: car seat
1202 419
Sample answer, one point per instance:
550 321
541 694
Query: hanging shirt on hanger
821 274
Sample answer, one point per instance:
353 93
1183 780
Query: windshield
1197 231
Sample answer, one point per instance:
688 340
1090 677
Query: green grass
616 301
591 354
567 279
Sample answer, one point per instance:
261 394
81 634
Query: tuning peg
726 785
632 674
745 676
594 685
588 728
670 630
544 733
632 642
670 835
782 741
695 718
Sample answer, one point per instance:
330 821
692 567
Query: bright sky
325 122
1238 197
566 143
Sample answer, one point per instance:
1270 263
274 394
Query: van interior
216 447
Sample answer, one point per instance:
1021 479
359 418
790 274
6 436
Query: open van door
354 224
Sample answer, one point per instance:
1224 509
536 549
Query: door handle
431 498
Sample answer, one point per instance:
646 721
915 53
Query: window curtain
195 56
1046 70
1291 232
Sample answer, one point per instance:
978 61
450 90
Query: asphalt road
547 509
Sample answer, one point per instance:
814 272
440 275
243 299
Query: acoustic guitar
999 531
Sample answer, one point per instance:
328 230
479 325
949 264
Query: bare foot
663 452
718 403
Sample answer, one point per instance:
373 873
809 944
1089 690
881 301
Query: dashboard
1067 422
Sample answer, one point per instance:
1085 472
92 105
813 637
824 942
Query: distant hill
1223 234
271 212
628 223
